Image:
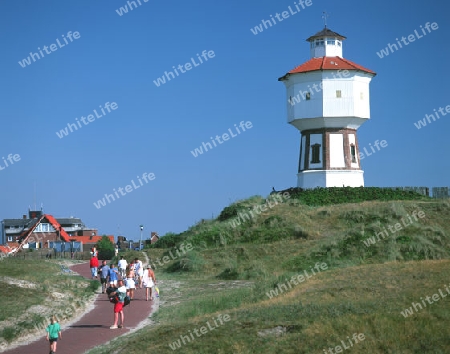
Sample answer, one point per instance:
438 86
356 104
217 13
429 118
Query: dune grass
32 290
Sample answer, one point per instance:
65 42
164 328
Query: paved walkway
93 328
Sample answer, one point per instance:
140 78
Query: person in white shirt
122 267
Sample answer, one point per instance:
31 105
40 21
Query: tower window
338 94
308 96
315 153
353 153
331 41
339 43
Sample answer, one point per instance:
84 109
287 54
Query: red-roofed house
40 229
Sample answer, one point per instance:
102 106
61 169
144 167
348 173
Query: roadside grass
232 270
364 289
33 290
313 316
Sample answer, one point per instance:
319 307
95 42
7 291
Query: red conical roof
327 63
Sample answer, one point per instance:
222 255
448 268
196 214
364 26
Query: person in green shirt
53 330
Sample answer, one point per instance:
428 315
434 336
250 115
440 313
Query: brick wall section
326 148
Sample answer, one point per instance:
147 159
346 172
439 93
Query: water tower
328 100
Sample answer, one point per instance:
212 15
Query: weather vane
325 16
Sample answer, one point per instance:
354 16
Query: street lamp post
140 242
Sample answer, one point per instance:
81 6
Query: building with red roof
39 230
327 101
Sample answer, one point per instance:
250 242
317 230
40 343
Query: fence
440 192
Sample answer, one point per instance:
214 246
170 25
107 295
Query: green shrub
339 195
231 211
105 248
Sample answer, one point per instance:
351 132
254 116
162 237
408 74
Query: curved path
92 329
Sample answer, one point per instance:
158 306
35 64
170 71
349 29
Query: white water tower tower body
328 100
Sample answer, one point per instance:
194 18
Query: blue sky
154 129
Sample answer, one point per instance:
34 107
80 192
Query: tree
105 248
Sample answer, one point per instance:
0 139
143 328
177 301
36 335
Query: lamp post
140 242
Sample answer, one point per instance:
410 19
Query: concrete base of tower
330 178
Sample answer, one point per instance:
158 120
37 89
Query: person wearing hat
149 281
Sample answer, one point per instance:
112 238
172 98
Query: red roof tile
5 249
327 63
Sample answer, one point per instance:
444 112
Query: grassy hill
299 278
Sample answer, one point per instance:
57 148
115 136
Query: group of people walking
125 280
122 281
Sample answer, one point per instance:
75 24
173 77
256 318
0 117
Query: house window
308 96
315 153
10 238
338 94
43 227
353 153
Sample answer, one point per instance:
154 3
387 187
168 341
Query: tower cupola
326 43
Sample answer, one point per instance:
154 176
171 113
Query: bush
338 195
169 240
231 211
105 248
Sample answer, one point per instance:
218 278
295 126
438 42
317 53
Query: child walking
53 330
